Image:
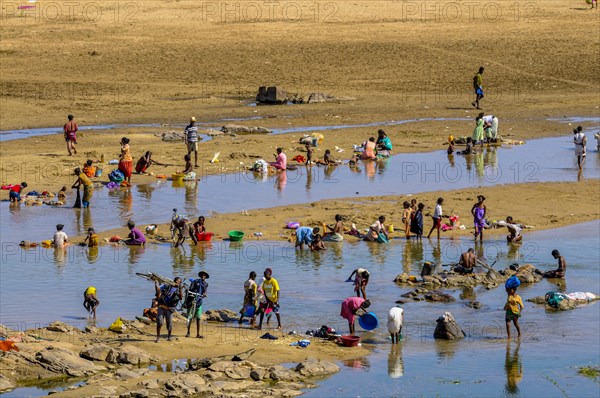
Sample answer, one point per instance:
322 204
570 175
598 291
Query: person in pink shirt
70 130
350 307
280 160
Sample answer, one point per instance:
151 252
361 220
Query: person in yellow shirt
91 238
88 187
513 308
90 300
272 296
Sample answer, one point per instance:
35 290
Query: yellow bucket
177 177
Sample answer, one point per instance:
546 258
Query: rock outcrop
447 328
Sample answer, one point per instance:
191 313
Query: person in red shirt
70 130
15 192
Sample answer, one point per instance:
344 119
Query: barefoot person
514 230
60 238
272 296
191 139
168 297
437 218
136 237
580 141
479 210
70 130
360 281
562 266
351 307
88 187
250 290
15 192
145 162
478 87
90 301
513 308
304 236
395 321
407 215
416 224
125 159
198 286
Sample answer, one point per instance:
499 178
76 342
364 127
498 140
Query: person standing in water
513 308
272 296
479 211
90 301
478 87
580 141
437 218
70 130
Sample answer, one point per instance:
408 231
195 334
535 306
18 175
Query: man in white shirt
60 238
580 141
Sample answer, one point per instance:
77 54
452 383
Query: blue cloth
304 235
199 286
14 195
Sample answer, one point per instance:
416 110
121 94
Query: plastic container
368 321
350 341
98 172
512 282
204 237
236 236
177 177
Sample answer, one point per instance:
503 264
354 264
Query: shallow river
39 286
543 160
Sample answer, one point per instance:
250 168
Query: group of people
380 148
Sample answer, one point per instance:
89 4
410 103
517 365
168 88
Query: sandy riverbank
548 205
221 341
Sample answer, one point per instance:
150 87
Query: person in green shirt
477 86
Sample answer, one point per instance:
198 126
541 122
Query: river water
542 160
41 285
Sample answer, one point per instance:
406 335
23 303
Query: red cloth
16 188
70 129
126 168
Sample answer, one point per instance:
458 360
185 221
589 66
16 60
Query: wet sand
541 205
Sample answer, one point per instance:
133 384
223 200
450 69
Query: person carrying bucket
351 307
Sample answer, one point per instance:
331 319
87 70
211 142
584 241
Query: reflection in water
395 362
92 254
60 254
309 178
191 197
382 164
370 168
412 253
446 349
359 363
437 253
281 180
134 254
451 160
182 258
513 368
378 251
146 191
468 293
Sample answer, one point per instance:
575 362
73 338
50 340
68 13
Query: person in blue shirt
168 297
198 286
304 236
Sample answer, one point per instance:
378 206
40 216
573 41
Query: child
309 153
60 238
469 149
15 192
90 300
89 169
437 218
328 160
513 308
406 218
395 320
317 243
416 225
91 238
62 194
